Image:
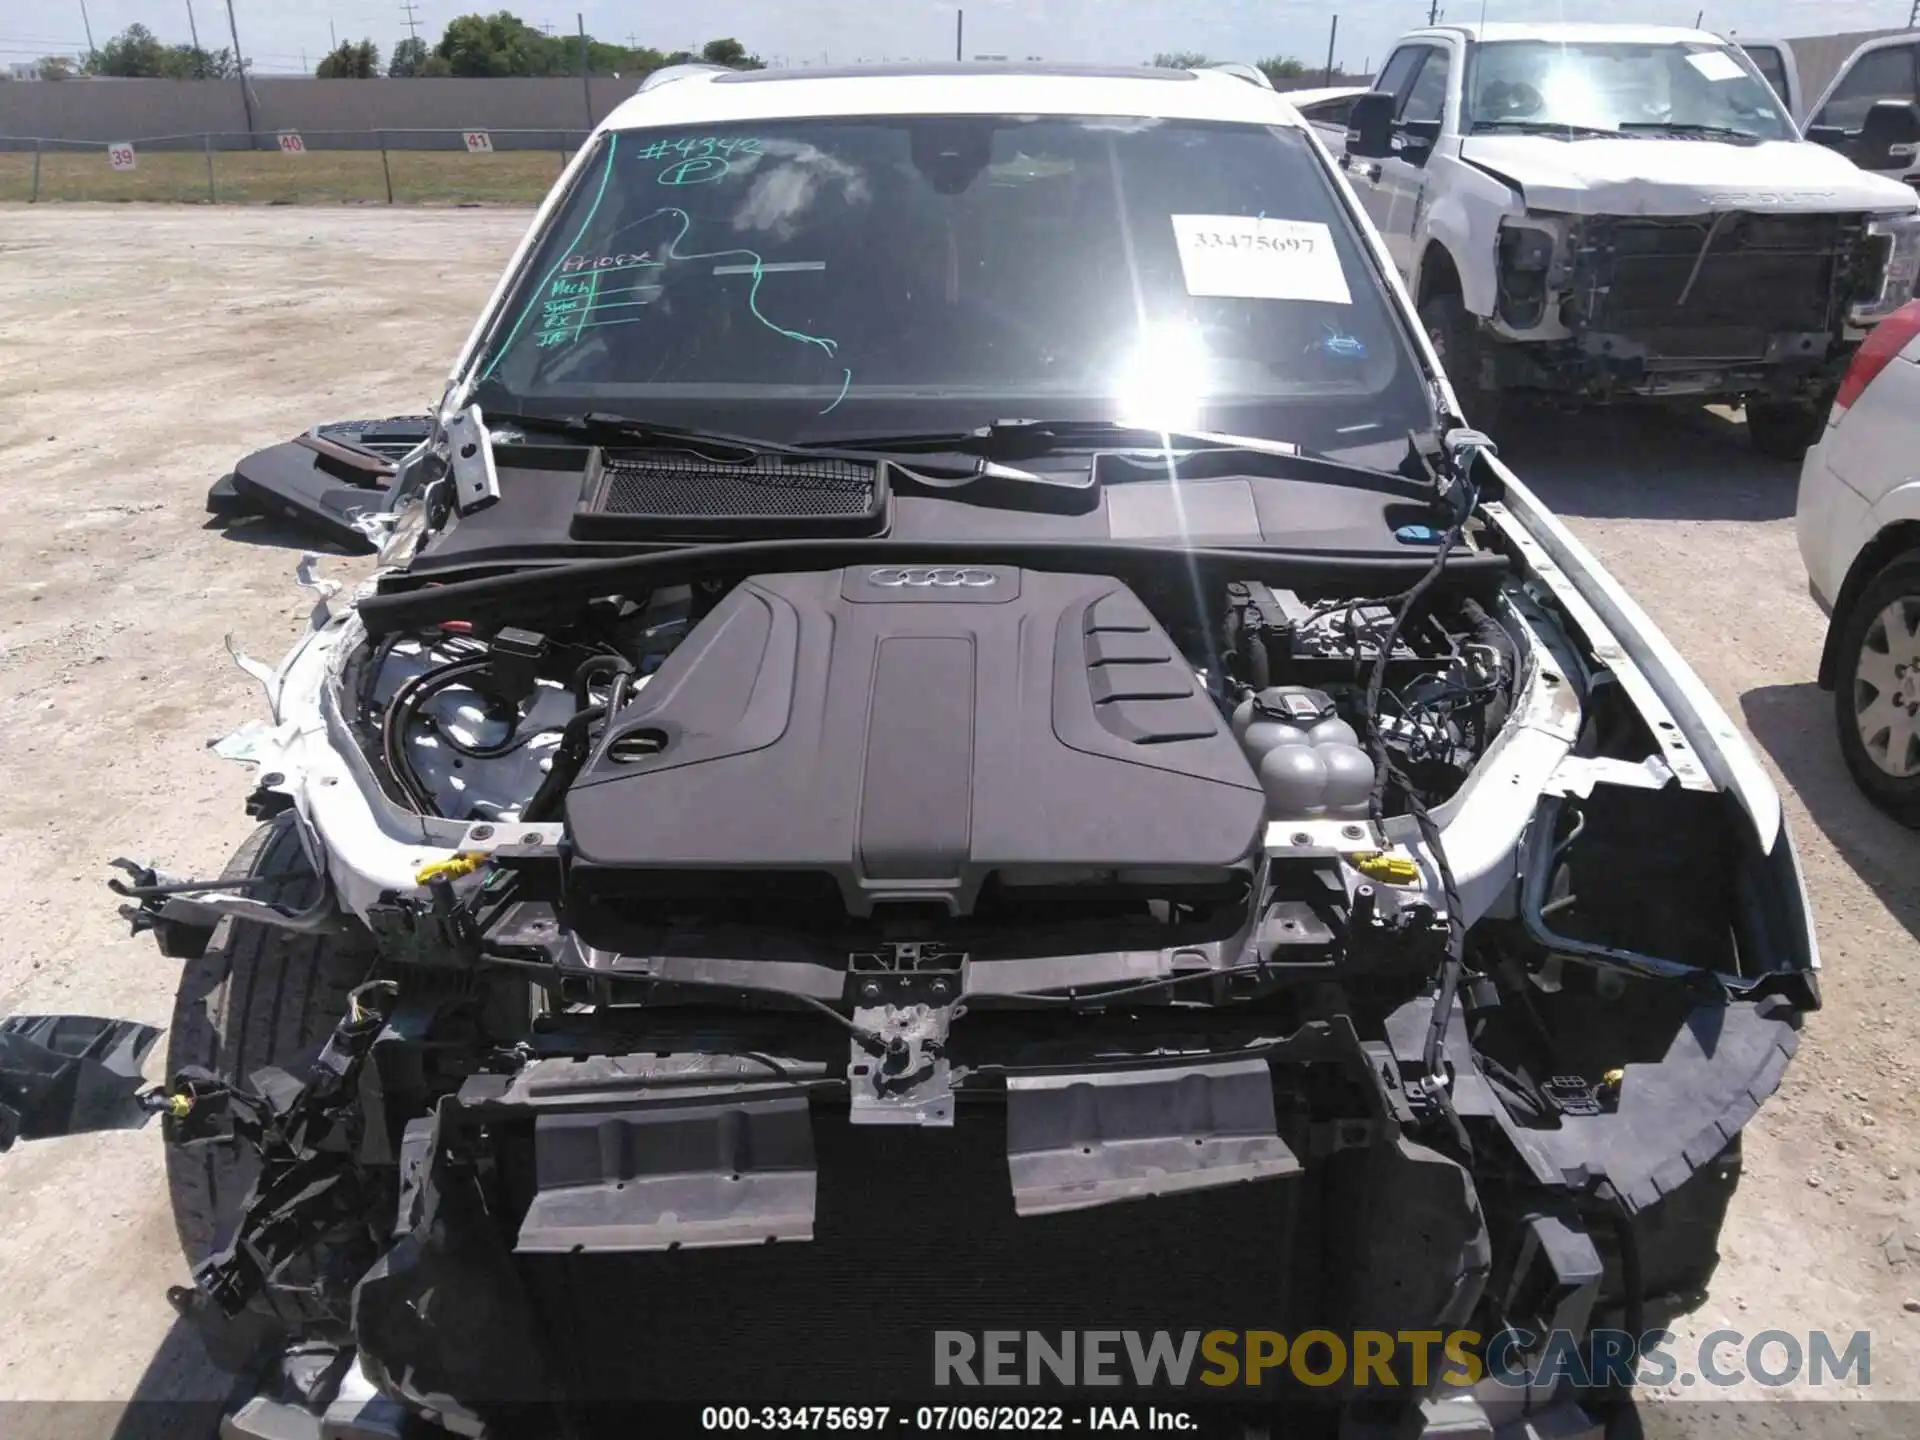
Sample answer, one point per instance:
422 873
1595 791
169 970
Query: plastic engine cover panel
910 731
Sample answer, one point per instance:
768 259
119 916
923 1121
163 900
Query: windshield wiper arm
1040 437
595 427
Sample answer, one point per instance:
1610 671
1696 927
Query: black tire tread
1448 311
259 996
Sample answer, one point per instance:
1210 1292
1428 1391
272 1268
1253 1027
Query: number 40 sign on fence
120 155
291 143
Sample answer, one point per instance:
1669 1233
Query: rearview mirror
1370 126
1888 137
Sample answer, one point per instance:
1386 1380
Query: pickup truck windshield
807 279
1636 89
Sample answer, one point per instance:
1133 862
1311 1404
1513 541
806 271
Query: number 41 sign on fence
479 142
120 155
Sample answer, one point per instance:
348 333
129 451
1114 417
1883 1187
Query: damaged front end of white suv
760 906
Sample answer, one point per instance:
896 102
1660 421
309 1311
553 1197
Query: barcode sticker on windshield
1250 258
1715 64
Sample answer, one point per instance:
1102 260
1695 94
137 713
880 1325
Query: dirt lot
142 351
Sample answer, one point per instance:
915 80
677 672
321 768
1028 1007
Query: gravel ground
141 352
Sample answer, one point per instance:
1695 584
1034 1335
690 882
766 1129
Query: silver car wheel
1886 689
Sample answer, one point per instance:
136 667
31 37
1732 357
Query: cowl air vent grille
672 492
391 438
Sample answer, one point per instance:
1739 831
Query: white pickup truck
1624 211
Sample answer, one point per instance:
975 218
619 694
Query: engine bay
470 725
997 760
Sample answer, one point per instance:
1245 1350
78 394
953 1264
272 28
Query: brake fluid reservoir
1309 760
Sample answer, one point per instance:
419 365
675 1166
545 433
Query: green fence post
213 193
386 168
34 198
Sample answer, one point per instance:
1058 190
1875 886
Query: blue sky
280 33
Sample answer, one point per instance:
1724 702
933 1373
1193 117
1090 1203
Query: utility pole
1433 12
91 49
960 31
193 29
413 21
240 69
331 36
586 90
1333 34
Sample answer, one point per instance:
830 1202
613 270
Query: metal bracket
911 1083
487 837
476 484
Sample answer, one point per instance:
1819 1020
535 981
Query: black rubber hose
591 666
567 756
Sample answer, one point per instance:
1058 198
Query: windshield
1614 87
819 279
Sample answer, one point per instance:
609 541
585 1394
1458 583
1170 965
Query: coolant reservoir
1309 760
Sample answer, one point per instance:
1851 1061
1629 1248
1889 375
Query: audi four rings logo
944 578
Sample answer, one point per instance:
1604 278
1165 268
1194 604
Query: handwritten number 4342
709 145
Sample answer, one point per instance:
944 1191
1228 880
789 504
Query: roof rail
1252 74
671 73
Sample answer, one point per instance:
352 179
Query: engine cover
909 734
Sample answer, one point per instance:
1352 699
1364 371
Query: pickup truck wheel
1784 429
259 996
1876 693
1456 335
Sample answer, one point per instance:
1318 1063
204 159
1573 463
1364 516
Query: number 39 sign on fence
479 142
120 155
291 142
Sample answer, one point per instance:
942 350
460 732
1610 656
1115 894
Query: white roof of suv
719 97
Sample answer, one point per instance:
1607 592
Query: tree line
502 44
471 46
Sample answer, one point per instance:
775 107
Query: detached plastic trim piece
1080 1140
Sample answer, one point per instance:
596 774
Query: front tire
1455 334
1784 429
259 996
1876 692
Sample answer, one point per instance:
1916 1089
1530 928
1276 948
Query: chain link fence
315 167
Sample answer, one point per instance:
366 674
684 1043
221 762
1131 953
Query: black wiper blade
1678 127
599 428
1039 437
1540 127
